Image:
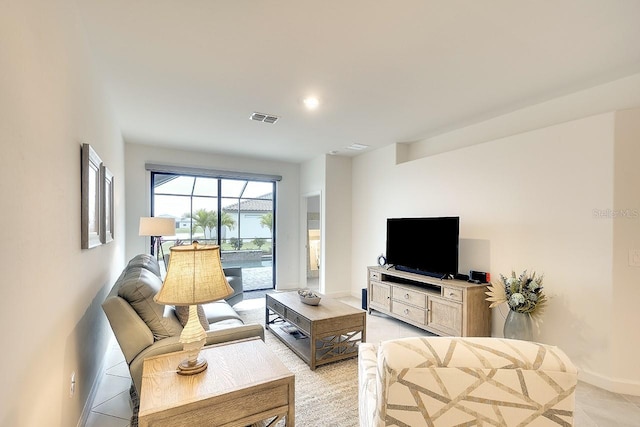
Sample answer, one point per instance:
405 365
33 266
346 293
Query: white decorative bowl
308 297
310 300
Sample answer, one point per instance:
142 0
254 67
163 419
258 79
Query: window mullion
219 216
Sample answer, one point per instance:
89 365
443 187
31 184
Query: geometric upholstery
450 381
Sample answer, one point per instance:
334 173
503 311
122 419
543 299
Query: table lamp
195 276
156 228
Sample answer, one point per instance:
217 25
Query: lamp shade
155 226
194 276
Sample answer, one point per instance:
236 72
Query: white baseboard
615 385
339 294
88 404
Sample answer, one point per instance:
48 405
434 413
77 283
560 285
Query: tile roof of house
262 204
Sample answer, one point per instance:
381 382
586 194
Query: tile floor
111 405
594 407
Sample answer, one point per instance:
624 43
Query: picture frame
107 217
91 204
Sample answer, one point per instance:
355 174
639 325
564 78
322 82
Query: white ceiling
188 73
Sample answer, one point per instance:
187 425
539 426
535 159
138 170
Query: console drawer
276 306
374 275
298 321
412 313
408 296
452 293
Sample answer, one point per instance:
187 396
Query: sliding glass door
236 214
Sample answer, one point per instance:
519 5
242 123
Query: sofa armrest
473 353
163 346
132 334
234 277
367 377
235 333
172 344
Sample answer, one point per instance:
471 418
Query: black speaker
364 298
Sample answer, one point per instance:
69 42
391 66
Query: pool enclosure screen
237 214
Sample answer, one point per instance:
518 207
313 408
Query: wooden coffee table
319 334
245 383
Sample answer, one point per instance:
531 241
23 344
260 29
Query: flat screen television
427 246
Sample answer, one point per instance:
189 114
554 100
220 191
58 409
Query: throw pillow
182 311
138 287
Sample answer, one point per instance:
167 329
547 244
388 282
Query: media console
443 307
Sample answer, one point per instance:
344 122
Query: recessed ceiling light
311 102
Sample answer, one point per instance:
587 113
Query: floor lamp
156 227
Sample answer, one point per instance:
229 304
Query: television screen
427 246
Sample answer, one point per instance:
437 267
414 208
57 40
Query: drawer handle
406 296
451 294
297 319
406 311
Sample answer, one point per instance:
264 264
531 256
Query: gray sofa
234 277
145 328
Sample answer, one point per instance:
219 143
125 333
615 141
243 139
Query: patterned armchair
446 381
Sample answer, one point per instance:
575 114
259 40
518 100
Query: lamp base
186 368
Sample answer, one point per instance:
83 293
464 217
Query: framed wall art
91 205
107 217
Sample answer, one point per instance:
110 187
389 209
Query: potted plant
523 294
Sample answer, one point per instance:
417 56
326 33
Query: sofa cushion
138 286
182 312
226 324
218 311
146 261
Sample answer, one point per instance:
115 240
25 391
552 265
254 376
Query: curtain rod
211 173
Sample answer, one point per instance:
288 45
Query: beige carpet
327 396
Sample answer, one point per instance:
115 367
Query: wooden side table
245 383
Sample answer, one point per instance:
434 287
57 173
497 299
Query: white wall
616 95
626 278
330 176
532 197
50 103
251 226
287 204
337 226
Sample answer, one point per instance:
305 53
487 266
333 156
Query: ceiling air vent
357 147
266 118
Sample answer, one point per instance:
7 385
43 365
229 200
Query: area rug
326 397
135 406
